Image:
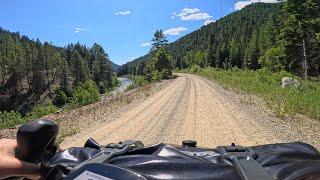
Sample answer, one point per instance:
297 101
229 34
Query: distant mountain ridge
114 66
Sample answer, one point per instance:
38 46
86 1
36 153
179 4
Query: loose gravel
189 107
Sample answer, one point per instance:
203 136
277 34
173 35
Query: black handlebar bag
161 161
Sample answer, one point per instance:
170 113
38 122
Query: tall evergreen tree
302 23
159 40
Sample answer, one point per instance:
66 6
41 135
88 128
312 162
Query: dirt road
190 107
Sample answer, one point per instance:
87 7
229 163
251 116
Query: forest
32 72
282 36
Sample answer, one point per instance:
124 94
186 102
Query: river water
124 83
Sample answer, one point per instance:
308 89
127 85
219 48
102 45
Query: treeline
278 37
31 71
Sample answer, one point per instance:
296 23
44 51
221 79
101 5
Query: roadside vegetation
283 101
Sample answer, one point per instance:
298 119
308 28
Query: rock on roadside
288 82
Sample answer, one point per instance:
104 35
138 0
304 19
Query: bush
102 87
166 73
115 81
140 80
156 76
10 119
130 87
40 111
84 94
60 98
195 69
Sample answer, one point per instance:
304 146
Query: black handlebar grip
36 139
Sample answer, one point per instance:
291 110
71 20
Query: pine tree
302 23
159 40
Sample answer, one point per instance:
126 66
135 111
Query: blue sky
123 27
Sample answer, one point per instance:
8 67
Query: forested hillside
275 36
32 72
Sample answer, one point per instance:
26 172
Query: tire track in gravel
162 121
171 126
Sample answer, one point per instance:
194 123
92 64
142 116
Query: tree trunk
305 63
305 59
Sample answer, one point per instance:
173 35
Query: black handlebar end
36 139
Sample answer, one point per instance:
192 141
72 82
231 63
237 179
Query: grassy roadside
304 100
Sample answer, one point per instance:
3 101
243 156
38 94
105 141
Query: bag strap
243 159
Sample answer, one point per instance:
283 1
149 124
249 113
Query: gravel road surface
192 107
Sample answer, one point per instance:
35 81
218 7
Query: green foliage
140 80
130 87
272 59
10 119
40 111
166 73
156 76
299 33
85 93
195 69
115 81
29 68
159 40
60 98
162 59
223 44
103 87
196 58
284 102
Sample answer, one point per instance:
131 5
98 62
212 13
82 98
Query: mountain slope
114 66
236 29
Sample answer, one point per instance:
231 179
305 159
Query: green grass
304 100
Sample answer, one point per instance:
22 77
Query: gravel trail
192 107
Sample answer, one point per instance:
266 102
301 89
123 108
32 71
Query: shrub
195 69
140 80
115 81
130 87
60 98
40 111
84 94
166 73
102 87
10 119
156 76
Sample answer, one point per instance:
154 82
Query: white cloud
174 31
79 29
196 17
123 13
146 44
208 21
188 11
241 4
192 14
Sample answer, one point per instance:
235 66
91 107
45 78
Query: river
124 83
